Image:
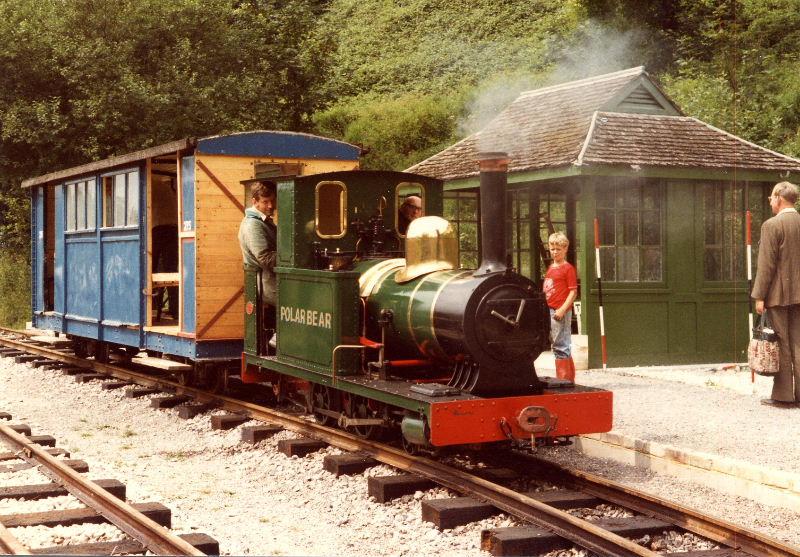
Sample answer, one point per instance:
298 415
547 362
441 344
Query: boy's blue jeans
561 335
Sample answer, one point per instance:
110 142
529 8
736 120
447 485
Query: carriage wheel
186 377
216 379
129 352
101 352
80 348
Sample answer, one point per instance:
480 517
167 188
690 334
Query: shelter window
519 211
724 206
461 209
121 199
331 209
631 225
79 204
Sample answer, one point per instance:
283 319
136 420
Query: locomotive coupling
536 419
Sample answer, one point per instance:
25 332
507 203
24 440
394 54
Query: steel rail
581 532
516 504
9 545
687 518
154 537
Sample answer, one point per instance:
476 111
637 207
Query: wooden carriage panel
220 199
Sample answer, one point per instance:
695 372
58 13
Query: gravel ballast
256 501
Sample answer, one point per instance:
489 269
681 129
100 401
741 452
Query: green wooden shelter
670 193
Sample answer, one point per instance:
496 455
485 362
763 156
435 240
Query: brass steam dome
431 245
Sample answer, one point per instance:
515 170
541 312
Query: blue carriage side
139 251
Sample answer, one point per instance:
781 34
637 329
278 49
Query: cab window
410 203
331 209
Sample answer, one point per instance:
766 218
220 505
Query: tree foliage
86 79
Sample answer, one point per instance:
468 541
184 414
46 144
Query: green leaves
397 131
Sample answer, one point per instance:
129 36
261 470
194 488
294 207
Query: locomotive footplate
562 411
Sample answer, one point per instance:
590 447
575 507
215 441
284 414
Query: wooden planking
160 363
219 260
218 257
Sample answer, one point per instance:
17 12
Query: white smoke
594 49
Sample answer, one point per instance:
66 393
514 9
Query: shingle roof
552 127
675 141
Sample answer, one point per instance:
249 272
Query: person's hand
759 306
558 315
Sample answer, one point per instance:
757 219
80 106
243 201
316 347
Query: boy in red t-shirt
560 288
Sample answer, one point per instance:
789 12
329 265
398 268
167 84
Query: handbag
763 354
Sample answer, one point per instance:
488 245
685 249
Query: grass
177 455
128 433
15 292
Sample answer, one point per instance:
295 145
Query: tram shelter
670 194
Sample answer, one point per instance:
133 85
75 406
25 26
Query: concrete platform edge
768 486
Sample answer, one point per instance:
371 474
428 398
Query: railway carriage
140 251
379 331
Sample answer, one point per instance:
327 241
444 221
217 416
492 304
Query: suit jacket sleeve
768 251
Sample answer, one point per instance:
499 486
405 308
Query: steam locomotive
380 332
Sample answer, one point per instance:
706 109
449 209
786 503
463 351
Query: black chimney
494 168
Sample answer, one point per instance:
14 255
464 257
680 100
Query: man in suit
777 289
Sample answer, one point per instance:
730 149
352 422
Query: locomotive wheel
359 407
325 398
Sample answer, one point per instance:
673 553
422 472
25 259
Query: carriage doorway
164 303
48 287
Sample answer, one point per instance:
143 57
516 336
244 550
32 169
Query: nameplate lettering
310 317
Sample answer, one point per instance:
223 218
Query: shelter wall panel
637 326
83 279
683 327
722 328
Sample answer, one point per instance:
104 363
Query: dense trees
85 79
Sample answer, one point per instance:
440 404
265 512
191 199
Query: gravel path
256 501
706 408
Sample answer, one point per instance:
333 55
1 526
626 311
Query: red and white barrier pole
600 291
749 249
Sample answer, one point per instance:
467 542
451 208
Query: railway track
143 525
598 537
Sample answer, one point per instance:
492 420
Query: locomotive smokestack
494 168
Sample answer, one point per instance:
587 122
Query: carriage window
79 202
121 199
331 209
410 202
